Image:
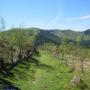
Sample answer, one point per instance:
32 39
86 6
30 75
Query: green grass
43 73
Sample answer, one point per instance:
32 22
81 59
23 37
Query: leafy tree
63 49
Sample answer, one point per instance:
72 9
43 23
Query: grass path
47 74
52 77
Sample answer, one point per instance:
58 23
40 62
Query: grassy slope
47 74
51 79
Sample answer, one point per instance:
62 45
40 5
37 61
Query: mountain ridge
53 35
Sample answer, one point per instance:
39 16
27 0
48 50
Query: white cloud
78 18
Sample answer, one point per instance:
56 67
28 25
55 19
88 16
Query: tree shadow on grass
20 70
9 74
36 63
6 85
42 65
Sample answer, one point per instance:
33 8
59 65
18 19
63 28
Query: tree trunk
82 66
62 57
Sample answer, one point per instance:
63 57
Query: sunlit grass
47 74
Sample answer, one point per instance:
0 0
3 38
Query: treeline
56 36
15 47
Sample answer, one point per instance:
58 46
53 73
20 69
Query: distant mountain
73 35
87 32
45 36
53 36
69 34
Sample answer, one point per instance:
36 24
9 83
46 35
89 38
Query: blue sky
46 14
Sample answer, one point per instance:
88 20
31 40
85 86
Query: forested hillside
55 36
